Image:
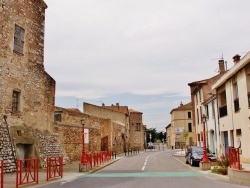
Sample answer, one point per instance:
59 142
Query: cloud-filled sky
140 53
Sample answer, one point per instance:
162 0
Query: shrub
223 164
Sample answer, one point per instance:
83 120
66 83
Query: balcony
236 105
223 111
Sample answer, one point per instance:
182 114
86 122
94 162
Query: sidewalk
70 172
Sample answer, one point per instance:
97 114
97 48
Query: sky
140 53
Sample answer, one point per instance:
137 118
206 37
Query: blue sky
141 54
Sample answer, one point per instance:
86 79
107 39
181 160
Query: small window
189 115
238 132
19 133
198 137
138 126
18 40
58 117
189 127
15 101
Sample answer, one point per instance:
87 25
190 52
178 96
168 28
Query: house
200 96
183 131
233 95
27 91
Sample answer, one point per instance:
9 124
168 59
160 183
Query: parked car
194 155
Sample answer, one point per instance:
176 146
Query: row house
233 96
181 129
27 91
201 93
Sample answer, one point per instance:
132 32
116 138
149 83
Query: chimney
117 104
221 66
236 58
181 104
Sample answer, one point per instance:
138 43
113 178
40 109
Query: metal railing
54 167
26 171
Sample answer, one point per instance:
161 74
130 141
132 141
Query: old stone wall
25 72
69 131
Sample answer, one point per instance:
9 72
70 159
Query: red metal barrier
26 171
54 167
234 158
1 174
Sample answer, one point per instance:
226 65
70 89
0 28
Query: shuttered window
18 40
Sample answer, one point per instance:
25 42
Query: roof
183 107
230 73
133 111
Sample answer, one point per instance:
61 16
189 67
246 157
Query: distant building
183 130
134 131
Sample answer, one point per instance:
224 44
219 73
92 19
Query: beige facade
201 93
233 92
182 128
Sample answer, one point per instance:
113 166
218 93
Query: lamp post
205 156
84 159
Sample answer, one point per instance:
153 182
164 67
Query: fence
54 167
1 173
234 158
26 171
95 159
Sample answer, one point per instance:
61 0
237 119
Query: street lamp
84 159
205 156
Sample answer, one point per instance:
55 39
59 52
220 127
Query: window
238 132
198 137
138 126
189 115
207 111
18 40
200 95
178 135
223 104
198 116
196 98
236 97
189 127
15 101
58 116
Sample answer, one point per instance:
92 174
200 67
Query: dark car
194 155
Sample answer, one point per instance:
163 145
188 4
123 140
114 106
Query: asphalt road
153 169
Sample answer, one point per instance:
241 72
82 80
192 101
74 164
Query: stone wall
69 131
7 151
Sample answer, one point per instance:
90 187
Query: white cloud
96 48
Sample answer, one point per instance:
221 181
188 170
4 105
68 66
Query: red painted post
1 175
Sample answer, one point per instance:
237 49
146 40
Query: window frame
18 45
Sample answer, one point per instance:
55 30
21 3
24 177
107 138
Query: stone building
134 130
137 129
182 128
101 134
27 91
